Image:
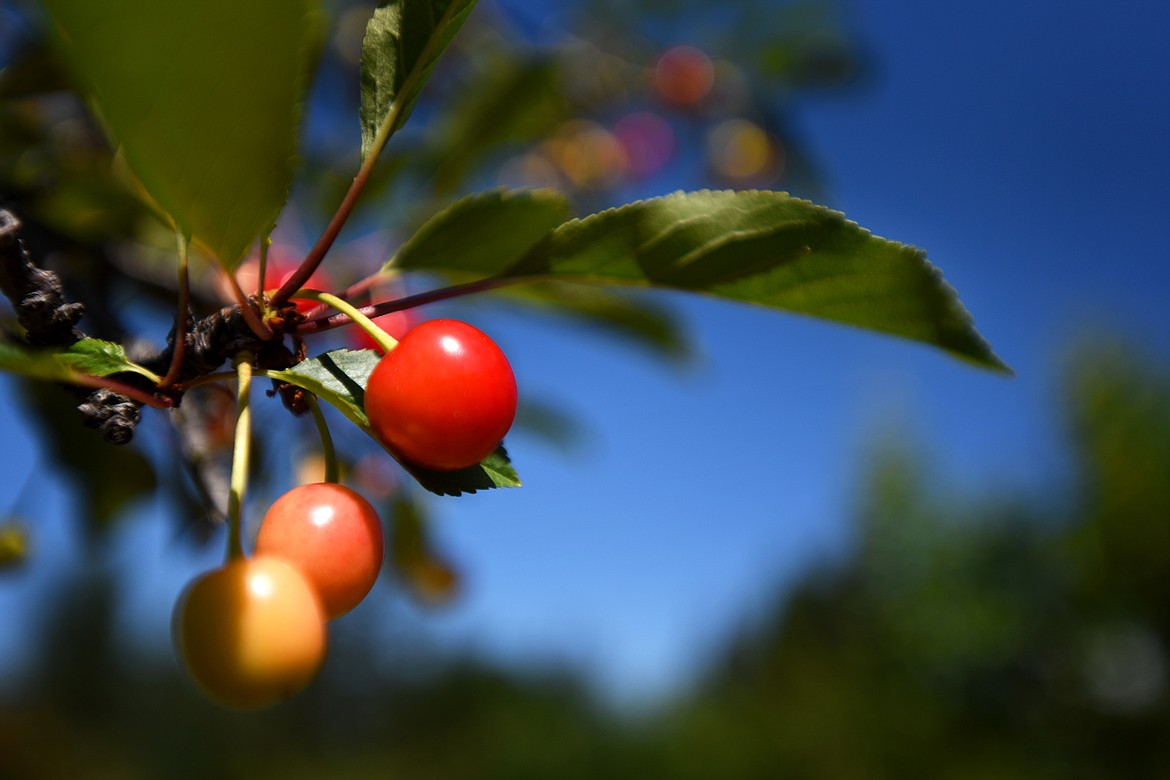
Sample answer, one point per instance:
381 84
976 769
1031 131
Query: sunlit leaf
769 249
483 233
87 357
102 358
403 40
204 99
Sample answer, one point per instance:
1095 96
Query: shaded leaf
483 233
511 101
426 575
495 471
403 40
108 478
204 99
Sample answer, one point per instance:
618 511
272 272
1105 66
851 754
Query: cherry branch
409 302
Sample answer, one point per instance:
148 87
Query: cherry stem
407 302
332 473
313 259
354 290
384 340
178 351
251 317
241 453
133 393
300 277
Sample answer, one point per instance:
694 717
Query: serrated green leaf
495 471
87 357
403 40
205 100
102 358
769 249
483 233
340 377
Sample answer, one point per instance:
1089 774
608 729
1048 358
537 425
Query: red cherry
332 535
444 397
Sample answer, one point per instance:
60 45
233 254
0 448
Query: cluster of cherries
254 631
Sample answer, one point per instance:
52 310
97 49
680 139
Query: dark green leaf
404 39
495 471
483 233
339 378
765 248
108 477
204 99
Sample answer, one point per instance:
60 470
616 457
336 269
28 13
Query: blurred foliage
966 636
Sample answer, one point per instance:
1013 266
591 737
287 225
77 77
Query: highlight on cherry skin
332 535
444 397
251 632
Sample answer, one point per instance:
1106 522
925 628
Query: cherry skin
250 633
332 535
444 397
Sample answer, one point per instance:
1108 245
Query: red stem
254 320
299 277
409 302
133 393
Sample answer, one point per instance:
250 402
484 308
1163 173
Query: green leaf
102 358
87 357
403 40
769 249
204 98
495 471
483 233
340 377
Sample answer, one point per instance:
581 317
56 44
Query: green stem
332 473
241 453
383 339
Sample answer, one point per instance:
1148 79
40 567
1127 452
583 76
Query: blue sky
1023 146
